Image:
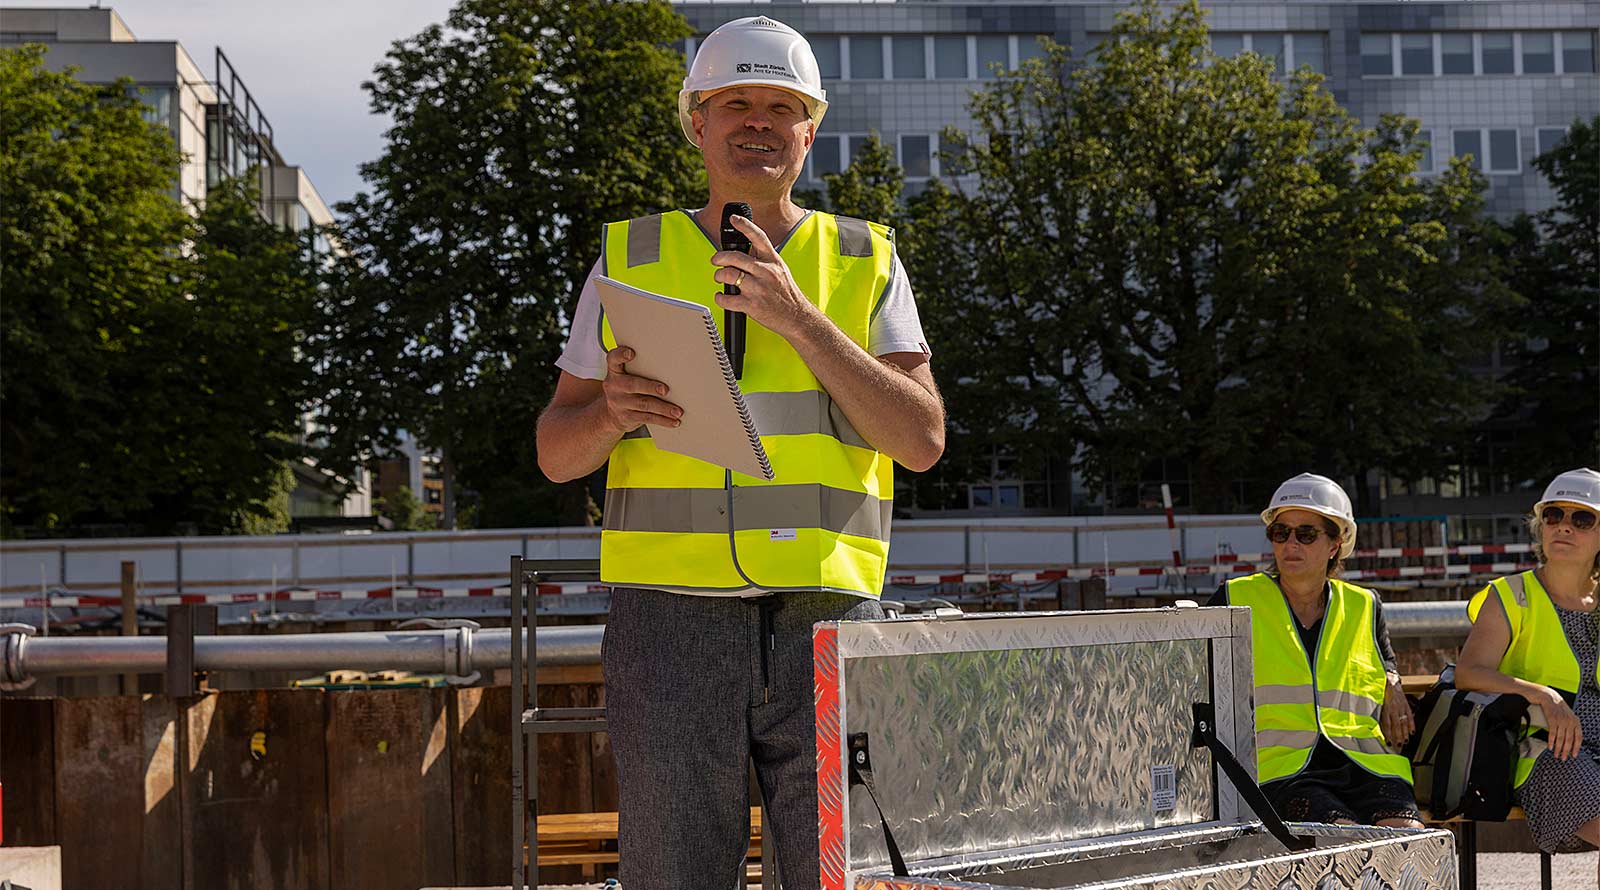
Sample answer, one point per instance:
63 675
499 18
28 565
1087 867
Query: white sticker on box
784 534
1163 787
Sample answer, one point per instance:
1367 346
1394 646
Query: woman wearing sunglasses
1537 634
1330 712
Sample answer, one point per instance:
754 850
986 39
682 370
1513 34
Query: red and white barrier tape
1399 552
1233 565
215 599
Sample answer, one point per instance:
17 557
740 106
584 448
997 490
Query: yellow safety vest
822 523
1340 697
1539 651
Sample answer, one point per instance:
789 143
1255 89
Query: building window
909 60
950 58
866 58
993 50
1029 47
1310 51
1425 144
952 157
1269 46
1539 53
1468 142
826 49
915 157
1416 55
1549 137
1504 152
1497 55
1377 55
824 157
859 141
1227 45
1577 52
1456 53
157 103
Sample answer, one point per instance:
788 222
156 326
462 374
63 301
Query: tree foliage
1167 254
151 372
1554 356
406 512
519 129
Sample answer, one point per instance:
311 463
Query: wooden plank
565 783
258 815
28 771
558 827
389 799
100 791
480 763
162 864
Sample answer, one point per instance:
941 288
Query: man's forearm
575 440
892 411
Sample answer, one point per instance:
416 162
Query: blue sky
303 60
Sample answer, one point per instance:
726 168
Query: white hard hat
1320 495
754 51
1581 486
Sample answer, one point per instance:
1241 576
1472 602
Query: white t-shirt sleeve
583 356
895 325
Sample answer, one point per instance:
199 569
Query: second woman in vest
1537 634
1330 713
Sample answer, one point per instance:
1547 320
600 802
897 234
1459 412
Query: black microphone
733 322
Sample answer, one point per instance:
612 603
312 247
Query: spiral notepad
676 342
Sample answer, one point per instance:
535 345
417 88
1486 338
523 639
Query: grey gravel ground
1496 871
1520 871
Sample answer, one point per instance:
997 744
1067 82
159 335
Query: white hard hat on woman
1319 495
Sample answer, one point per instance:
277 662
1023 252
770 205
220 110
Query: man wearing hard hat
718 577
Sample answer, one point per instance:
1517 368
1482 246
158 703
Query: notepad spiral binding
738 397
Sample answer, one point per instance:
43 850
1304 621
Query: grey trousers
696 689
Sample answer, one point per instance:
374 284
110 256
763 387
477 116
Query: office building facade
1500 81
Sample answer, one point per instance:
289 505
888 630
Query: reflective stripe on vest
1538 652
1340 699
676 523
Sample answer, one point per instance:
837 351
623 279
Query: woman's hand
1395 718
1566 732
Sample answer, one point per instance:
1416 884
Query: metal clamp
458 646
13 644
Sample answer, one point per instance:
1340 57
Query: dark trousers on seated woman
1332 788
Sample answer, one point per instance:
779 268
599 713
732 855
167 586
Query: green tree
151 375
1554 347
520 127
272 514
1171 255
406 512
870 187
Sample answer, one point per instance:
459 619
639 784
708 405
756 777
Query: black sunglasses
1582 520
1279 532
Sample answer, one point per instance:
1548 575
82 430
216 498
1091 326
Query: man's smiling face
753 137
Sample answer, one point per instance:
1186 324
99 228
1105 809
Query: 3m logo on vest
783 534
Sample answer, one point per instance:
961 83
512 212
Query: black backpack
1464 756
